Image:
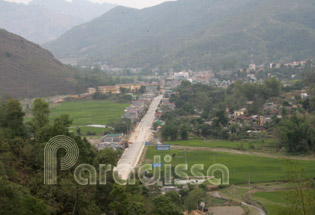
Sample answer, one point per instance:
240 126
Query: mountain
27 70
195 34
44 20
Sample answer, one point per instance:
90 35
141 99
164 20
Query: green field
244 144
261 169
273 202
90 112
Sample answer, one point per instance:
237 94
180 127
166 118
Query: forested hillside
195 34
27 70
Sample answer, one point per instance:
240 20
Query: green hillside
27 70
194 34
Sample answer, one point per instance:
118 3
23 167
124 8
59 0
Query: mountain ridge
193 34
27 70
44 20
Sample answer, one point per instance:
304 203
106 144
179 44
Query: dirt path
226 210
216 194
233 151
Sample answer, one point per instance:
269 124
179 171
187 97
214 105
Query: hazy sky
129 3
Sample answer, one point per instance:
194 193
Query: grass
90 112
244 144
261 169
273 202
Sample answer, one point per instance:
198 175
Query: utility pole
185 157
249 185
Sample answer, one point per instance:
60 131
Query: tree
40 111
123 126
61 125
194 198
297 133
163 205
15 200
183 132
169 131
120 202
12 119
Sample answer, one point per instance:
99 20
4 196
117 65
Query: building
152 88
91 90
252 67
240 112
112 138
109 89
304 95
133 115
180 76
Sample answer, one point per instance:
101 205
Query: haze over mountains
44 20
27 70
195 34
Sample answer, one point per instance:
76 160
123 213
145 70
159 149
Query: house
112 138
135 87
304 95
132 115
240 112
139 103
252 67
270 108
272 65
180 76
91 90
151 88
109 89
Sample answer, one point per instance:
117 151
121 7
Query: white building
304 95
181 76
252 67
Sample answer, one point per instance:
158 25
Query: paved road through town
142 133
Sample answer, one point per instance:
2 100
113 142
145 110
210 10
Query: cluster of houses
254 67
138 107
134 112
270 110
116 89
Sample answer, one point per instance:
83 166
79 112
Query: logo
148 174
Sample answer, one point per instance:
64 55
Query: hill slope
194 34
44 20
27 70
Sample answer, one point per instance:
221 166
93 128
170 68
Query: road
142 133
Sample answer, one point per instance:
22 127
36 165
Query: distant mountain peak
44 20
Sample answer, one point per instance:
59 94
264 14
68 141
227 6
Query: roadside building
91 90
112 138
109 89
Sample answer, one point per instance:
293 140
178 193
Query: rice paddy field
243 144
274 202
89 112
241 167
